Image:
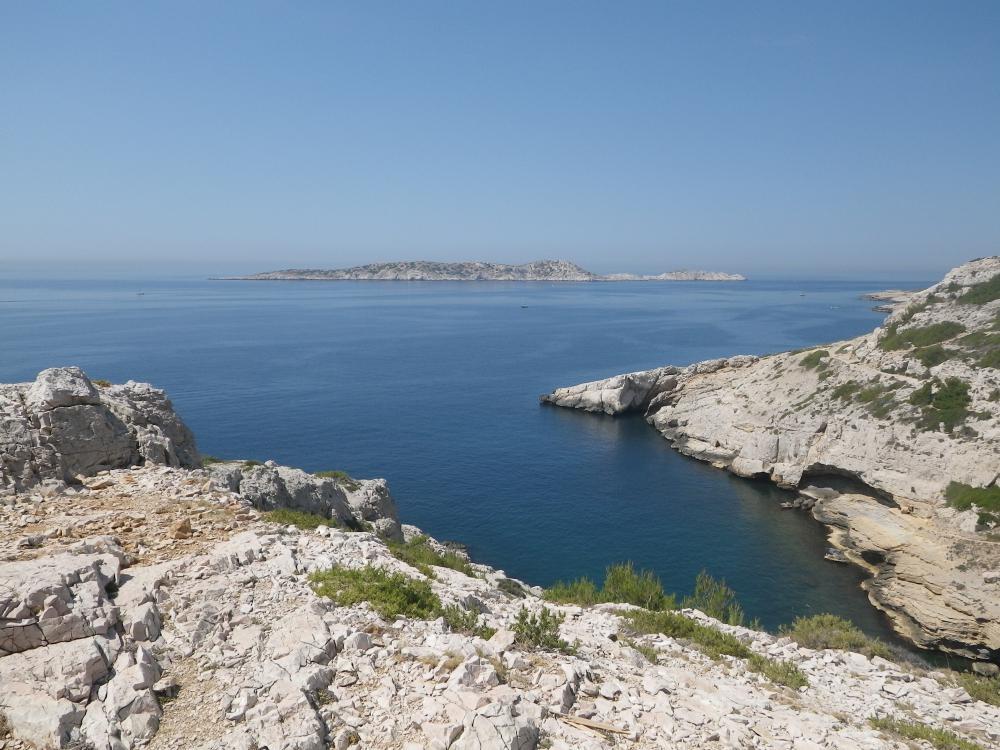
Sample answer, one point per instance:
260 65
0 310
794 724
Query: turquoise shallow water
434 386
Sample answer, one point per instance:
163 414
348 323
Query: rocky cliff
890 435
167 607
63 425
421 270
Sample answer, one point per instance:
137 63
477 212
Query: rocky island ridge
149 598
420 270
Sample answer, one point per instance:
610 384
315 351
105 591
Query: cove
434 386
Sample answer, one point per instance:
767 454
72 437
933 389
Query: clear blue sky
630 136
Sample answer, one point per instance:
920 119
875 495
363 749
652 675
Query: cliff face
421 270
63 425
894 418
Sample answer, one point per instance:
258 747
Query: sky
799 137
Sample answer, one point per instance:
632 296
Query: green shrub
101 383
990 359
342 477
715 599
465 621
894 339
931 356
715 644
208 460
392 595
649 652
707 639
299 518
419 553
940 403
643 588
980 294
622 583
541 630
941 739
813 359
778 671
581 591
846 391
964 496
829 631
511 587
985 689
250 463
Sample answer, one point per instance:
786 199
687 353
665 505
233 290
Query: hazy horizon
851 140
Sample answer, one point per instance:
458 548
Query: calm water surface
435 385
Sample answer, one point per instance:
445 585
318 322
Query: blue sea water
435 387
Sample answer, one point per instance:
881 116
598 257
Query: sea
435 385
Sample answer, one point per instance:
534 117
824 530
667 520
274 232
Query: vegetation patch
250 463
511 587
209 460
879 399
894 339
342 478
985 689
778 671
814 359
931 356
101 383
713 643
981 293
715 599
622 583
466 621
940 404
392 595
541 630
846 391
986 499
300 519
829 631
940 739
649 652
419 553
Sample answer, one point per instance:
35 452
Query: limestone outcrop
217 640
353 502
63 425
900 417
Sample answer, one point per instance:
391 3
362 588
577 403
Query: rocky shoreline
150 602
542 270
886 426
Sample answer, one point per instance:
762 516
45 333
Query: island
424 270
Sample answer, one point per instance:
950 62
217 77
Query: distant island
424 270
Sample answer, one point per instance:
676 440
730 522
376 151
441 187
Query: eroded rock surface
218 641
62 425
865 411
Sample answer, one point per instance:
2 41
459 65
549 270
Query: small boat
523 307
788 506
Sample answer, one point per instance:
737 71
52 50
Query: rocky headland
147 600
422 270
892 439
